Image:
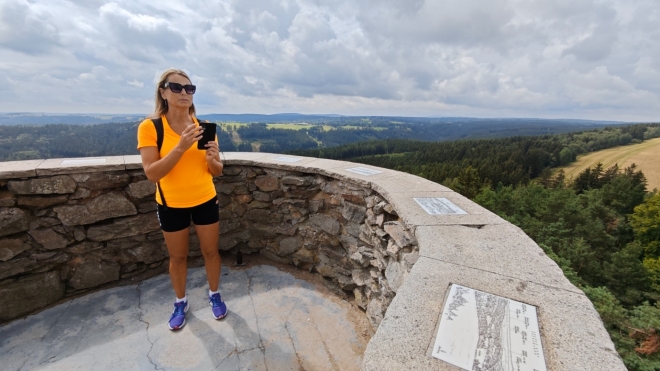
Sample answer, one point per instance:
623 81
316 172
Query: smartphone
208 135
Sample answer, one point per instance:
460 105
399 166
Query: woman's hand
213 158
212 152
189 136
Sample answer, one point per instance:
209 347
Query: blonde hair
161 104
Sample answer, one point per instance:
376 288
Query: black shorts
174 219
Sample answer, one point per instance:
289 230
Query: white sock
213 292
185 298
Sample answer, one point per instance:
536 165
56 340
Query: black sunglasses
176 87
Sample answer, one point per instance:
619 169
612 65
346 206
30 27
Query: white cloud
588 59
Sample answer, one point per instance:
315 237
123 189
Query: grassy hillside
645 155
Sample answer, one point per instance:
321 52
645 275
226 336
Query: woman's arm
155 167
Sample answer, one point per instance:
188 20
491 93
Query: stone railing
68 226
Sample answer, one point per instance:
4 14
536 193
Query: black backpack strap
160 132
160 135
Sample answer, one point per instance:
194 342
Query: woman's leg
208 236
177 246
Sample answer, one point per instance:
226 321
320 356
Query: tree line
23 142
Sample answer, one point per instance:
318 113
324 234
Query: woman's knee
179 260
210 253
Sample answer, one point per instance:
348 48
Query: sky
585 59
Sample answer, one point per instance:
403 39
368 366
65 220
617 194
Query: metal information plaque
287 159
363 171
438 206
86 161
481 331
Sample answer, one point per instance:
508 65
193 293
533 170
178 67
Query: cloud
588 59
26 28
140 37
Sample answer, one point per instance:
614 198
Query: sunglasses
176 87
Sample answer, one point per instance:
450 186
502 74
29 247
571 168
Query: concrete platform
276 321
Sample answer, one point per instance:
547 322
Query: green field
224 125
290 126
645 155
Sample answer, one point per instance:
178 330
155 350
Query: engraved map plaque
86 161
287 159
481 331
439 206
363 171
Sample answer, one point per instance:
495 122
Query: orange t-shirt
189 183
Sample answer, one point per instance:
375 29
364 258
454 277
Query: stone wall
69 226
61 235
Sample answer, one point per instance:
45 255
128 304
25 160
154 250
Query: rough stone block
395 275
376 310
84 247
327 223
261 196
13 220
141 189
7 199
267 183
305 255
231 170
16 266
106 206
80 193
61 184
92 273
297 180
131 226
399 233
96 181
49 239
353 212
41 202
148 252
12 247
29 294
263 216
290 245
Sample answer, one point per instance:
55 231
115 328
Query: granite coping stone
400 182
244 158
58 166
19 169
560 313
503 249
413 214
133 162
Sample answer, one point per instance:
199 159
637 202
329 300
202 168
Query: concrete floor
275 322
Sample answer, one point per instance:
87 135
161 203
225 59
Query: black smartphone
208 135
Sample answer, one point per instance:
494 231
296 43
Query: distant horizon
23 113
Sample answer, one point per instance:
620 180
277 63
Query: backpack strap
160 132
160 135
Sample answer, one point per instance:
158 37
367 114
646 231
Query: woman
184 175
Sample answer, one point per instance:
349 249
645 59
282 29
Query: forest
74 139
602 228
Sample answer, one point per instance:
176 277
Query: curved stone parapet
71 225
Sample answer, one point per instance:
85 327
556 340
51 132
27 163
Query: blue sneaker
218 306
178 318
